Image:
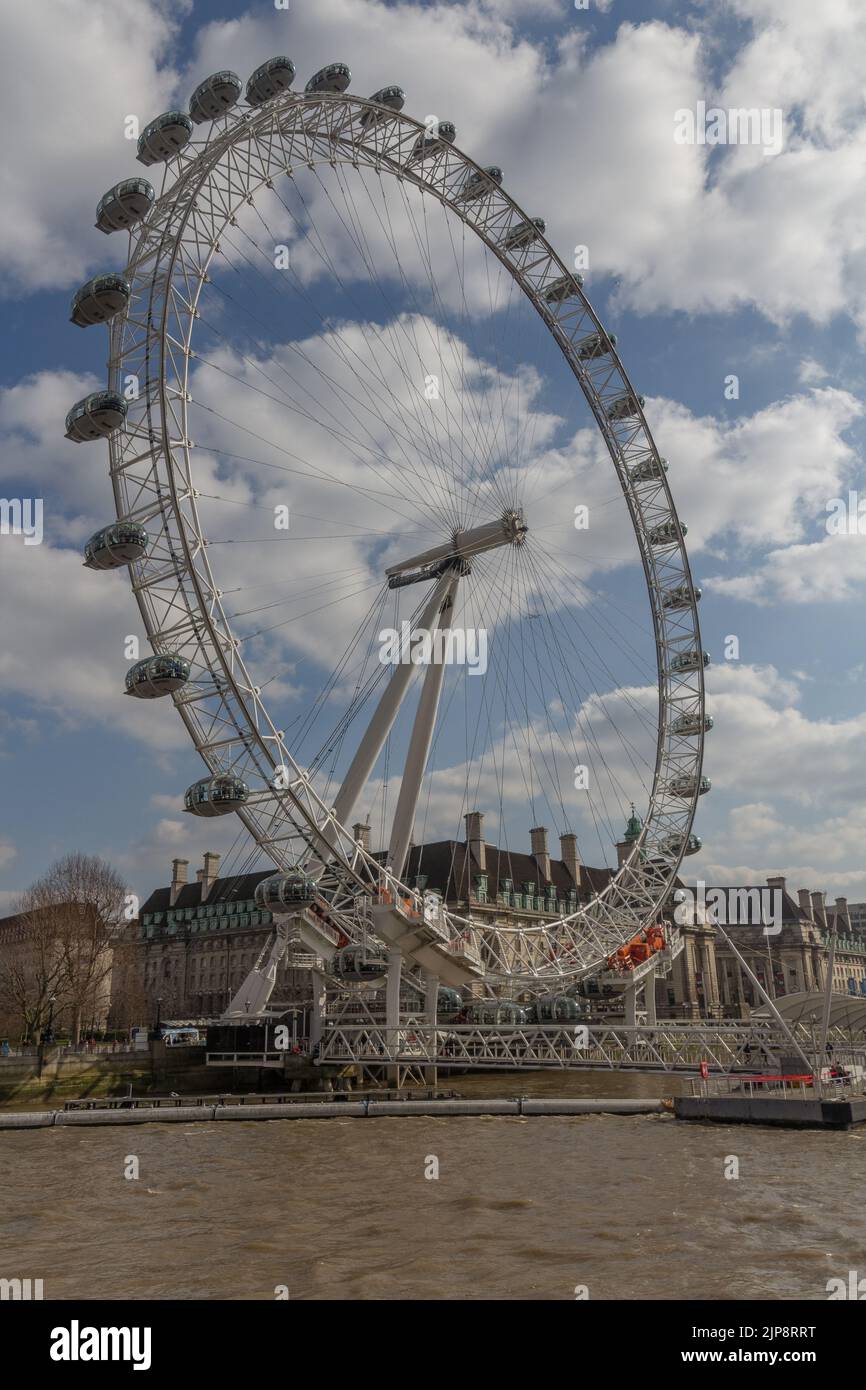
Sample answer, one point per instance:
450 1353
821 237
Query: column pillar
431 1002
630 1004
392 1010
650 998
317 1012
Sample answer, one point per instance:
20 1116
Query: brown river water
629 1207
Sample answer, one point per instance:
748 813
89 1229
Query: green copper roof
633 826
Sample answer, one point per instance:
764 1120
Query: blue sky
705 262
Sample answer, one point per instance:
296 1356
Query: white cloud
681 228
761 476
811 373
72 73
67 628
832 570
763 741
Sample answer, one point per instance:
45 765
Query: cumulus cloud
832 570
76 76
701 230
68 630
759 485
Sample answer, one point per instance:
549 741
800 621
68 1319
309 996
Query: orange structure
645 944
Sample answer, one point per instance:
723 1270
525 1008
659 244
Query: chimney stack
805 902
540 852
776 881
361 834
843 917
178 879
475 838
819 912
209 873
568 850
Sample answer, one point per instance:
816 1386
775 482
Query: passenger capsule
434 139
495 1011
524 234
596 345
563 288
216 796
448 1001
96 416
686 786
216 95
481 182
124 205
674 844
359 965
157 676
285 892
625 406
690 661
164 138
330 81
559 1008
681 596
392 97
113 546
651 469
666 533
273 77
687 725
99 300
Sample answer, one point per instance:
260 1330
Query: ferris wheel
340 404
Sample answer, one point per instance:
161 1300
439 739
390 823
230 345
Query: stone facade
199 940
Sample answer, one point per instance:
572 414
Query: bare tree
32 970
77 907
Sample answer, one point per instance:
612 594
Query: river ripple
631 1207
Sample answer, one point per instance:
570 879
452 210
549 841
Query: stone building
849 960
785 962
199 940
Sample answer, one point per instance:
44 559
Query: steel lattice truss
665 1047
152 470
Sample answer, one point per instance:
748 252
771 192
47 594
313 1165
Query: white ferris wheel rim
180 602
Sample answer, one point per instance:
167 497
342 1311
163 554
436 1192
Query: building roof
451 868
235 888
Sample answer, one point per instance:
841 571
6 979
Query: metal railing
176 1101
784 1086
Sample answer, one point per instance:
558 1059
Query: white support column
318 1009
630 1002
382 722
431 1010
392 1010
419 743
431 996
649 990
392 989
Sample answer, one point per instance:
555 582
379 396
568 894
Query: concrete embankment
368 1108
54 1077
